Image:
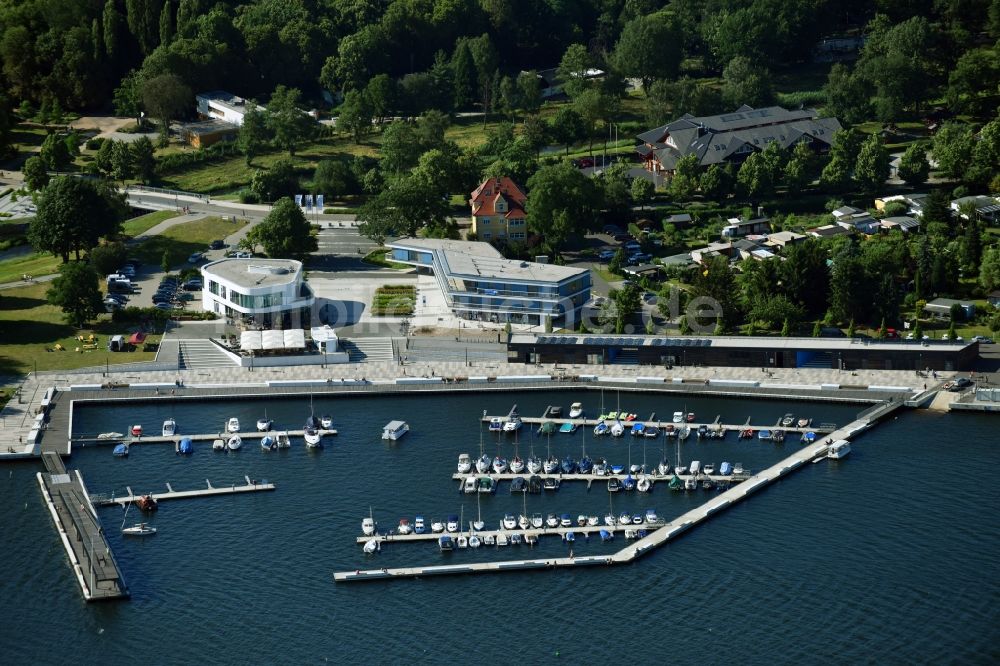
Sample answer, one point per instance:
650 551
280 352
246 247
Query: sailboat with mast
586 465
138 529
310 430
516 463
534 464
551 465
484 461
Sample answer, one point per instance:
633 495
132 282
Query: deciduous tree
76 291
36 176
285 232
287 121
913 165
254 132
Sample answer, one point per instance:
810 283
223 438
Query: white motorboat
264 424
404 526
496 424
169 428
395 430
683 433
738 468
373 546
708 468
644 484
839 449
499 464
233 425
464 463
139 529
282 441
437 526
474 541
651 517
368 525
551 465
787 420
678 417
489 540
576 410
219 445
695 467
110 435
534 465
502 539
516 465
509 522
462 541
513 424
418 525
523 522
234 443
609 520
469 485
617 429
625 518
452 524
483 464
691 483
537 521
312 437
552 520
326 421
593 521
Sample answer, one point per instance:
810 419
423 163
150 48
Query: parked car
194 284
982 339
195 258
959 384
163 306
641 257
606 255
631 245
217 245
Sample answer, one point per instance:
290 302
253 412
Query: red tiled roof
485 196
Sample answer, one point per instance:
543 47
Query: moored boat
136 430
787 420
368 526
576 410
516 465
518 484
233 425
499 464
404 526
550 483
185 446
568 428
418 525
496 424
312 437
614 485
678 417
120 450
839 449
452 524
644 484
264 424
326 421
464 463
446 543
601 429
147 503
219 445
139 529
169 428
282 441
617 429
487 484
267 443
804 422
534 465
483 464
372 546
764 435
234 443
469 485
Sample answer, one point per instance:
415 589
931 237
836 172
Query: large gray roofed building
730 137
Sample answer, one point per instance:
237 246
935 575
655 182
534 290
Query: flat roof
252 273
473 260
737 342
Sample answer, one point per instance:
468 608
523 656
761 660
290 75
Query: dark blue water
889 555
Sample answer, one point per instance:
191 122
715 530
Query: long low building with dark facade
760 352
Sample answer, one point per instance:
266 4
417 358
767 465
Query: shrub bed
394 301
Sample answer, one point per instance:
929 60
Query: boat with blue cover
617 469
446 543
267 443
637 429
120 450
725 469
185 446
568 465
496 424
764 435
606 535
585 465
601 429
568 428
628 483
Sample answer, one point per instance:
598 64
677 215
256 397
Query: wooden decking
250 486
80 531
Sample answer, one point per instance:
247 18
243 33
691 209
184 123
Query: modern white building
224 106
478 283
268 292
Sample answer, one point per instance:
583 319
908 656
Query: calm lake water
888 556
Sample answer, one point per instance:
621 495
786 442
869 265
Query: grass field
379 258
32 263
182 240
29 327
394 300
143 223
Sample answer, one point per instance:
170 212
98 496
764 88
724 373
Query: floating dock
714 426
669 531
80 531
251 486
532 531
590 478
201 437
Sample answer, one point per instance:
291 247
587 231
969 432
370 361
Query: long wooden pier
713 426
658 537
591 478
199 437
250 486
531 531
80 531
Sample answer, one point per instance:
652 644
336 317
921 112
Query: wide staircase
199 354
820 360
361 350
627 357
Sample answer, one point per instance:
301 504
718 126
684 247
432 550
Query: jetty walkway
251 486
80 531
669 531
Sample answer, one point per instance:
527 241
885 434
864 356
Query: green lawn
33 263
30 327
182 240
143 223
378 257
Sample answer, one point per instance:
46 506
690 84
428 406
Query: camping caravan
116 343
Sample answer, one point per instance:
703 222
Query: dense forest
449 53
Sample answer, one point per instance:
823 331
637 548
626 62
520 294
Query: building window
213 287
487 235
485 221
501 206
517 235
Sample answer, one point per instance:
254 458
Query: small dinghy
267 443
219 445
234 443
120 450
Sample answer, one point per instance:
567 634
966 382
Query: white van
116 343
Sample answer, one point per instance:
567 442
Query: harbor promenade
24 435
